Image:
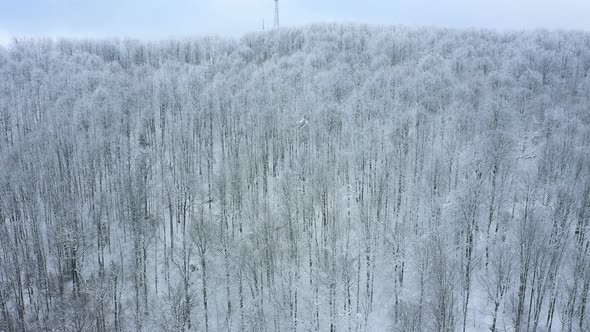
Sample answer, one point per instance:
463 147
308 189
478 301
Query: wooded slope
331 177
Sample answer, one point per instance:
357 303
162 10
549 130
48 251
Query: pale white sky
154 19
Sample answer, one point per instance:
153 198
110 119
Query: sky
157 19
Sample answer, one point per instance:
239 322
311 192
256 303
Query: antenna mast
276 13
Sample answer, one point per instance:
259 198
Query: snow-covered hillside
325 178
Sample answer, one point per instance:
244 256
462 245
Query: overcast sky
154 19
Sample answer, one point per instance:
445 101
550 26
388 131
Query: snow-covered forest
324 178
